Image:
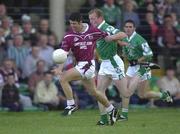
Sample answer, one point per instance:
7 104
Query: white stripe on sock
110 108
70 102
124 110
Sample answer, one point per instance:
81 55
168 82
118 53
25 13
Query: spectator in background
147 5
46 93
145 29
152 33
168 40
86 7
18 51
150 7
121 3
176 8
6 24
44 27
28 32
167 5
175 20
170 83
129 13
160 15
8 67
31 61
3 12
45 51
10 95
52 41
153 26
36 76
14 30
3 52
112 13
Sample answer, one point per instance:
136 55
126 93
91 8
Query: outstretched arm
116 37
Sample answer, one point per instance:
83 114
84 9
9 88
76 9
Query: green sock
124 112
104 118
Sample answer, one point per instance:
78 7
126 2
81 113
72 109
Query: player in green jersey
138 51
112 66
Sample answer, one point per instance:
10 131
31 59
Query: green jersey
106 50
137 47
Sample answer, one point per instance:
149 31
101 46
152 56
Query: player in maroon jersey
81 40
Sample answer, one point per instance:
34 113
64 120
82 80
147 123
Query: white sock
110 108
70 102
124 110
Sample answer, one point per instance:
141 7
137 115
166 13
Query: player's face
129 29
94 20
76 26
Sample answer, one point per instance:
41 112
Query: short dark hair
167 16
149 12
130 21
10 74
76 16
170 68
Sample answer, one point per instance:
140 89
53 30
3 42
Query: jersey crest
76 39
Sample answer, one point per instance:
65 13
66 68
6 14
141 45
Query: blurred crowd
26 81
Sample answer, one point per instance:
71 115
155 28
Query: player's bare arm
122 43
116 37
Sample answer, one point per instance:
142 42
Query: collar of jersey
134 33
100 25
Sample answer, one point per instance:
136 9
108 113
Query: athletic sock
110 108
70 102
124 112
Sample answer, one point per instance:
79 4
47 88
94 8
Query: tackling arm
116 37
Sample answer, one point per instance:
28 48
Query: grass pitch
141 121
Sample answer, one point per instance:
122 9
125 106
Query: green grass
141 121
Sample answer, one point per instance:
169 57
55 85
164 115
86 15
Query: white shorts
116 73
86 72
132 71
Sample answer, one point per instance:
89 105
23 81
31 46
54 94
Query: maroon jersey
82 44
